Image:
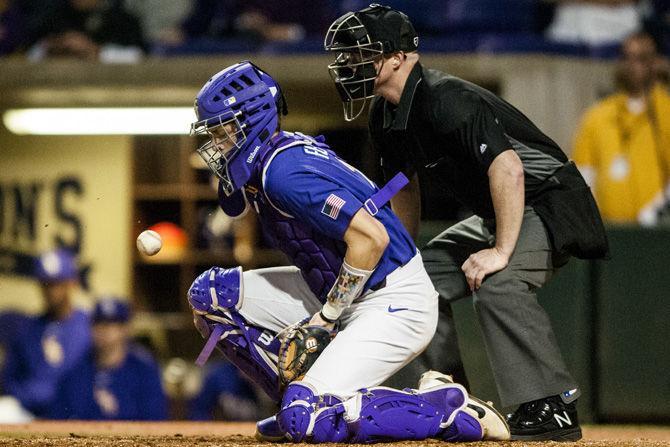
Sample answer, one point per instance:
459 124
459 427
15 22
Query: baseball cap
56 265
392 28
111 309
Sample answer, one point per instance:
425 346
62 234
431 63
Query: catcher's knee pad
295 418
302 413
216 290
215 296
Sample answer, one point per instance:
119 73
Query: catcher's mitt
300 346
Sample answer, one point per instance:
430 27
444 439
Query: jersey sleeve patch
332 206
309 194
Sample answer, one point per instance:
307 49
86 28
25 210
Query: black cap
390 27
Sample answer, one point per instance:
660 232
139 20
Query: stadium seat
607 51
207 46
458 43
526 43
484 16
310 45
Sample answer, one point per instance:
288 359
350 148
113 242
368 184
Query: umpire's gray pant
520 343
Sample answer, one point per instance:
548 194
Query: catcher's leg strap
251 349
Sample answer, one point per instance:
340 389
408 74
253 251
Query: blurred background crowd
125 30
69 362
125 355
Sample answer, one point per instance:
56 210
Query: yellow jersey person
622 147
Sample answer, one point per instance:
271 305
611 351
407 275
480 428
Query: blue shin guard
215 297
385 414
330 425
268 430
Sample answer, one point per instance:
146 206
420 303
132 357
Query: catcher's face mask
225 137
353 71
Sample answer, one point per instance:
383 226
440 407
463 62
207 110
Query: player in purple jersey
354 268
117 379
40 350
224 395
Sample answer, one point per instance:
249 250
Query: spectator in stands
161 20
225 394
91 30
41 350
623 145
259 20
213 19
285 21
117 379
594 22
12 22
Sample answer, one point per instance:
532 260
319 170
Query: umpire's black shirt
445 124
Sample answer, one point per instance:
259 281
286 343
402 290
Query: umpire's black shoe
548 419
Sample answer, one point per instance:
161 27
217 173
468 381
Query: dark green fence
612 321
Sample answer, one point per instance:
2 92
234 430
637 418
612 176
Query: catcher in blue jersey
356 305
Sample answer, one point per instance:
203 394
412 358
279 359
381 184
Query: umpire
532 209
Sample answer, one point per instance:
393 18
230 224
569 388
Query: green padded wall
633 308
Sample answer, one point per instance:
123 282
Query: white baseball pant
380 332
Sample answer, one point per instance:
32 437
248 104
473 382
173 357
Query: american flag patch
333 206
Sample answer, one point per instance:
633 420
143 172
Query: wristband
348 286
326 319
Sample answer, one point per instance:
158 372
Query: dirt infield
178 434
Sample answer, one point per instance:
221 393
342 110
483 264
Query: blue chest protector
318 257
305 196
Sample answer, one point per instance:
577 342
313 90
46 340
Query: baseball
149 242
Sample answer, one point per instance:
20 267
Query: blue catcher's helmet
238 109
